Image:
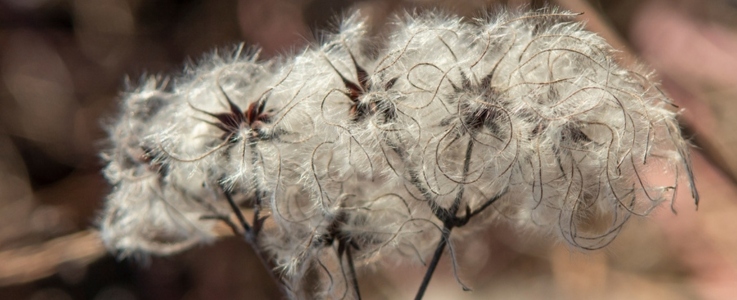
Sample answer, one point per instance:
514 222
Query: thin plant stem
433 263
352 269
249 234
239 215
450 220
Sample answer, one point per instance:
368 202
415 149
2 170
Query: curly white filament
523 117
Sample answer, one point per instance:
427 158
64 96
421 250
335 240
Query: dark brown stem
250 234
352 269
450 219
433 263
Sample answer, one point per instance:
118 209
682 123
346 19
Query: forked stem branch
250 234
433 263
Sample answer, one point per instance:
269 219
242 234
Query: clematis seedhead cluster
372 147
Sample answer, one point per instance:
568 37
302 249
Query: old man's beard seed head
517 117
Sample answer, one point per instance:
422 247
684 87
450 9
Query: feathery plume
363 151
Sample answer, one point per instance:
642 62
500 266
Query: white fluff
558 131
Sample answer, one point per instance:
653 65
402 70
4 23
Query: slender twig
444 241
486 204
462 187
450 219
239 215
433 264
250 234
352 269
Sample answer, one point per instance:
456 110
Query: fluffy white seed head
376 145
156 205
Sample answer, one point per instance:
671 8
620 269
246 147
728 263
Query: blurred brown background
62 64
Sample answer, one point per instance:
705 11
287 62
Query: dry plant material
356 152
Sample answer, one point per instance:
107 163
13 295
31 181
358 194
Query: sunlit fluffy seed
375 146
